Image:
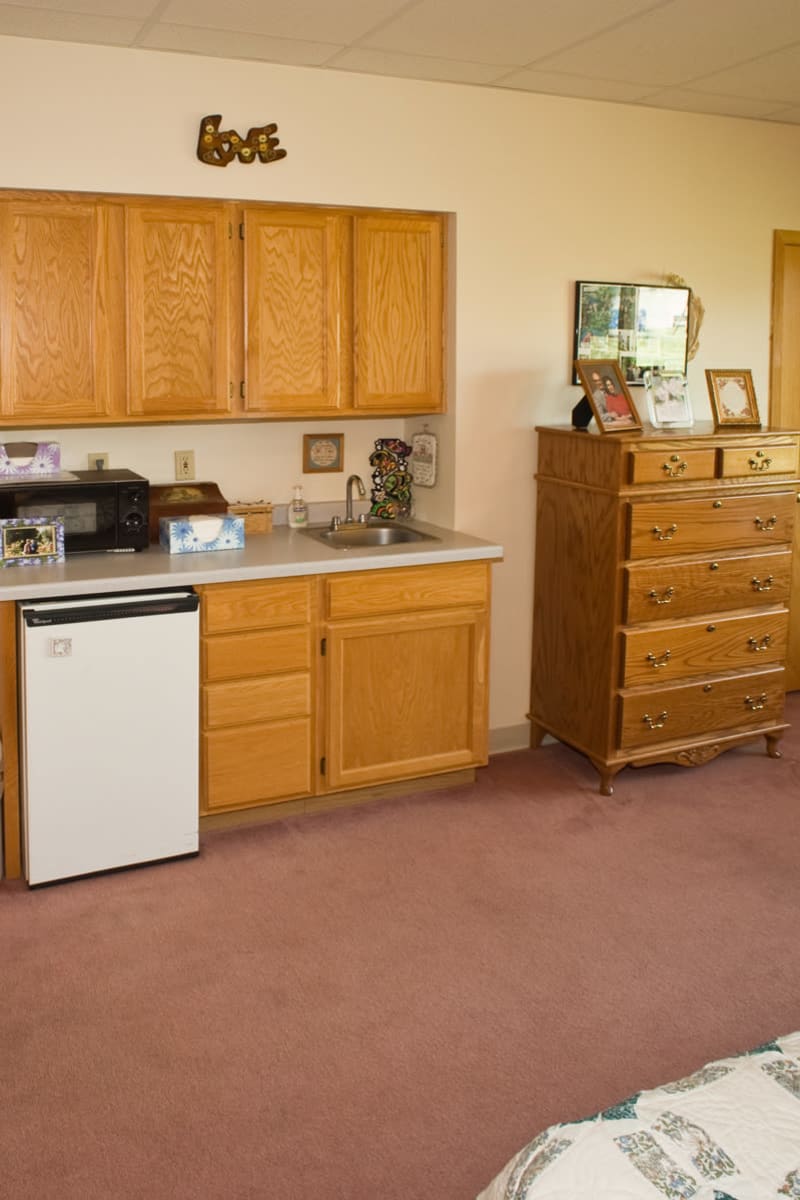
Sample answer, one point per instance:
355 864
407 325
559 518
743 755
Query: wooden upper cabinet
399 308
298 311
179 294
61 310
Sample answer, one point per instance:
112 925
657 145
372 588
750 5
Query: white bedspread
730 1131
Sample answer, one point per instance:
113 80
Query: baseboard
510 737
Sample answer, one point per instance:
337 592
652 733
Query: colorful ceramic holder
391 479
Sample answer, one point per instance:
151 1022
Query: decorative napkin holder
198 533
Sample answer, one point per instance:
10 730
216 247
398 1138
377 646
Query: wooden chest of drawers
663 575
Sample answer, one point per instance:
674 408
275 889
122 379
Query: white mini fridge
109 731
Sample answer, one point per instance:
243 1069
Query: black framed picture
642 326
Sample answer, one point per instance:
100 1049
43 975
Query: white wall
545 191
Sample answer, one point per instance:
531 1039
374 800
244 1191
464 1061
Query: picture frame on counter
668 403
733 399
323 452
610 401
26 542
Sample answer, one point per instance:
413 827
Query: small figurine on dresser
391 479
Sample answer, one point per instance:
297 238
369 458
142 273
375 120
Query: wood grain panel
758 462
238 655
663 591
398 312
299 310
667 465
256 764
667 714
710 525
406 589
255 604
665 652
248 701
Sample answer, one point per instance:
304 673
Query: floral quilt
730 1131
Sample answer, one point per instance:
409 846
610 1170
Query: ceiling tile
225 44
16 21
573 85
774 77
407 66
310 20
139 10
685 100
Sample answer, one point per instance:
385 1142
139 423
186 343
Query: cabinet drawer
652 466
406 589
267 652
665 652
725 705
250 700
257 764
258 605
659 528
758 461
656 591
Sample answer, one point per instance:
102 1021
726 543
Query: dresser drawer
686 712
666 652
256 764
652 466
266 652
759 461
258 605
662 591
250 700
661 528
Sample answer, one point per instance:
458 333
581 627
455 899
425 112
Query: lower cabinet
317 685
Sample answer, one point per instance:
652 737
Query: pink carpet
388 1001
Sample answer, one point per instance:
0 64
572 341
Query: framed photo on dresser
608 395
733 399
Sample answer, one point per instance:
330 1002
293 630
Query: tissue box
188 535
29 458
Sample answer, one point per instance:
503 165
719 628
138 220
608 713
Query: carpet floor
388 1001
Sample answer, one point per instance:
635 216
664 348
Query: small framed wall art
733 399
323 452
608 395
26 542
424 448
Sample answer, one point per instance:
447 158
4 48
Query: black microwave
101 510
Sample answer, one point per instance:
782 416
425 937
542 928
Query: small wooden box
183 500
257 516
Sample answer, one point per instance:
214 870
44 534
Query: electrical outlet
98 461
184 464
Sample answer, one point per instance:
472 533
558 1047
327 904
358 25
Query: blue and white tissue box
190 535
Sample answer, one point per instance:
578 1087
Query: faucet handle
335 523
363 518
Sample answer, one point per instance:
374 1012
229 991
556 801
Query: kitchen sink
374 533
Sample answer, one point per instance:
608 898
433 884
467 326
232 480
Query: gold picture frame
323 452
610 401
733 399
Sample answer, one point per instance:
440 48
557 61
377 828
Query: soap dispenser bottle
298 511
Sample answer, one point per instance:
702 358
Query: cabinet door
298 311
399 333
179 280
61 311
406 696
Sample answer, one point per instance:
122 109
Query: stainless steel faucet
348 502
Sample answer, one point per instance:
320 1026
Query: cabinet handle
756 703
655 722
758 586
674 470
768 525
659 662
759 463
713 566
664 535
758 645
664 598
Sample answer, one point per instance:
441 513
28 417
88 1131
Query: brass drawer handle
659 662
759 463
664 535
768 525
758 586
674 467
655 722
756 703
664 598
759 645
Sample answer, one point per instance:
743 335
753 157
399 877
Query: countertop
283 552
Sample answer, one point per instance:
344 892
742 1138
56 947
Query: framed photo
608 395
323 452
667 395
642 326
733 399
26 542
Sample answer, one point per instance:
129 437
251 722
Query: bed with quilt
730 1131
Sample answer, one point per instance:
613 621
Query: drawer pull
674 467
717 504
756 703
659 662
655 722
664 598
713 566
664 535
708 687
759 586
711 629
758 645
759 463
768 525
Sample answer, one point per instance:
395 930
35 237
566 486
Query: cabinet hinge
230 230
241 389
323 647
322 765
230 390
241 231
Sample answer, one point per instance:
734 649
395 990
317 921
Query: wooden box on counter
183 500
257 515
661 600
